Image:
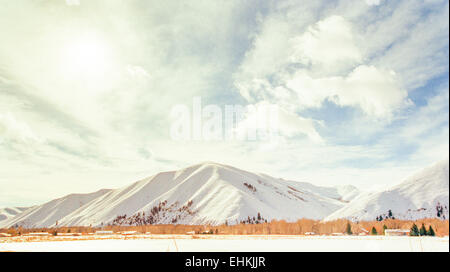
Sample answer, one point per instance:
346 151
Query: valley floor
228 243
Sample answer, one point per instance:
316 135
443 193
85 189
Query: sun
85 57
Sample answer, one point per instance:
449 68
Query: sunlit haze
88 90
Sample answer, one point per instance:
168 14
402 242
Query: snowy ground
163 243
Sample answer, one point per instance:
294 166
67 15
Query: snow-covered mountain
207 193
7 213
212 193
51 212
343 193
422 195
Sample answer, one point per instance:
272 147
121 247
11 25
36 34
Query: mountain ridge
423 194
214 193
205 193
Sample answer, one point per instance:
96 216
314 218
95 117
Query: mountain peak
209 164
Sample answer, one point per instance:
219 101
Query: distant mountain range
422 195
212 193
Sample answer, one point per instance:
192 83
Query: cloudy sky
87 89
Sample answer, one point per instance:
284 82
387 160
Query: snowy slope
7 213
49 213
211 193
343 193
207 193
425 194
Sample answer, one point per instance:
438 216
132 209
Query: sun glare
85 57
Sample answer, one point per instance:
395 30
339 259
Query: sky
88 88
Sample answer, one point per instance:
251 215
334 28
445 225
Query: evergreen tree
423 230
384 228
390 214
414 230
374 231
430 232
349 229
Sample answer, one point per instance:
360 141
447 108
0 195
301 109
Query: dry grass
275 227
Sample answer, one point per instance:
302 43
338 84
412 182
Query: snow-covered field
166 243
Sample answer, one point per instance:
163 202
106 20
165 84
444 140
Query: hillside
424 194
207 193
49 213
212 193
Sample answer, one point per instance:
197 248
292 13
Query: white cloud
292 125
373 2
278 123
271 49
432 115
376 92
411 39
326 50
13 130
329 42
